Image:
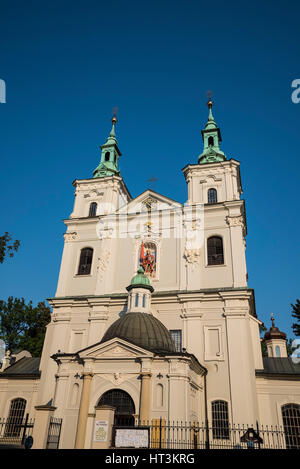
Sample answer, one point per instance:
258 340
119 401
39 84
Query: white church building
153 321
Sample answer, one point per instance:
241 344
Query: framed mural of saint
147 258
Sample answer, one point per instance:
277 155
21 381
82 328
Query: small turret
139 293
275 341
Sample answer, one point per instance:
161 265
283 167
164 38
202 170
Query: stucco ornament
117 378
235 221
149 204
70 237
193 241
94 193
192 256
103 262
105 230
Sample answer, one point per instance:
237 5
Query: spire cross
272 319
152 180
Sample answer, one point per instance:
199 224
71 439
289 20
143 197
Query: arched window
15 417
291 424
93 209
144 301
211 141
136 301
123 404
277 351
220 420
212 196
148 258
107 155
85 263
215 251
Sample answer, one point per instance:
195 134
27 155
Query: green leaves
7 249
22 326
296 315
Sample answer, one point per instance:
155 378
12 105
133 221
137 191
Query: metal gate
54 433
14 431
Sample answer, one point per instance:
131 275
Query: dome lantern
275 341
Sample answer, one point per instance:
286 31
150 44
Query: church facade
153 318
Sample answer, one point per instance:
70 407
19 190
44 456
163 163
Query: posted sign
132 438
100 430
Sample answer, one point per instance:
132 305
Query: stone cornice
157 297
106 181
207 167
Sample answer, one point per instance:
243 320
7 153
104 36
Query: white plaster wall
272 394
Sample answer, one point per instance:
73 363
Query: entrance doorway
124 405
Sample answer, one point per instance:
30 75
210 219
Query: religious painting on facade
147 258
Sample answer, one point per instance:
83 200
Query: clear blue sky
66 64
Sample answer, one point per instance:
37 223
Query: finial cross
152 180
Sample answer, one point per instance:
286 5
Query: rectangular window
176 335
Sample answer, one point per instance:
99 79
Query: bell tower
211 138
215 184
110 155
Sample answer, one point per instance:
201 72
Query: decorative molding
103 262
104 232
118 352
235 221
149 203
93 193
211 176
70 237
116 378
192 256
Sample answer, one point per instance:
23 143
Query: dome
141 329
140 280
274 333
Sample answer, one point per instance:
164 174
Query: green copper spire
211 138
110 154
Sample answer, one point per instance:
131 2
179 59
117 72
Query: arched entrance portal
123 403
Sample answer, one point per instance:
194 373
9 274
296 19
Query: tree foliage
296 315
22 326
6 247
289 347
262 328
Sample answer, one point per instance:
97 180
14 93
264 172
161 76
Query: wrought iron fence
54 433
195 435
14 430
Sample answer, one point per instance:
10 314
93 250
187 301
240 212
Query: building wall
272 394
18 388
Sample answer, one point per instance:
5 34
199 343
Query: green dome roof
140 280
141 329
